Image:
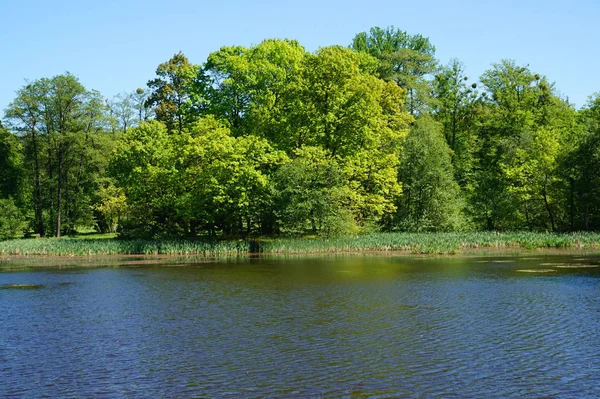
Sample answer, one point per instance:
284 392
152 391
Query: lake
362 326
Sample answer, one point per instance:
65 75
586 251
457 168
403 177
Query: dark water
346 327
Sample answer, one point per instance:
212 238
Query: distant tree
175 93
139 99
58 120
431 198
523 130
403 58
582 166
256 89
454 107
122 109
311 195
11 165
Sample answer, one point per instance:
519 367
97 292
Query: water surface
360 326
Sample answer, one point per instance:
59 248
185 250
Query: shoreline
10 262
381 244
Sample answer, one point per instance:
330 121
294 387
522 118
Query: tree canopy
275 139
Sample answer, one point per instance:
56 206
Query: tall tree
57 118
523 127
406 59
175 93
454 107
431 198
256 89
11 165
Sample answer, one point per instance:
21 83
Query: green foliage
176 92
227 178
11 164
59 122
403 58
582 166
431 199
112 206
311 195
454 107
275 139
523 130
12 221
145 165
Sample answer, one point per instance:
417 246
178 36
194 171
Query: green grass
418 243
103 246
433 243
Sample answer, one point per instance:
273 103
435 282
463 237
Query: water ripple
333 328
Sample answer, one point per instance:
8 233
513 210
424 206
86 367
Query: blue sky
116 45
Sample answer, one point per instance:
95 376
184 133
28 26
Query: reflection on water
281 328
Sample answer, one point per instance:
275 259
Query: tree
122 109
58 120
227 179
12 220
454 107
357 118
431 199
403 58
256 89
11 165
145 164
523 128
311 195
581 164
175 93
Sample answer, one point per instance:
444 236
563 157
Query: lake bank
409 243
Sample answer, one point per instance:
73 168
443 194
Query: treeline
273 139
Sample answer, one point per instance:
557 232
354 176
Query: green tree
311 195
431 199
175 93
227 179
357 118
58 120
256 89
406 59
11 165
145 164
582 166
12 221
454 107
523 128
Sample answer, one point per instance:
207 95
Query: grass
417 243
103 246
434 243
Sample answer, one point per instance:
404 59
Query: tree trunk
572 203
37 193
550 215
59 195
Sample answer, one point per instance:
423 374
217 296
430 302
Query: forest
272 139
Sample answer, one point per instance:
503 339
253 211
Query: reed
418 243
91 247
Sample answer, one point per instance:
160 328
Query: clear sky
115 45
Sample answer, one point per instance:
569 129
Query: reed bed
418 243
432 243
92 247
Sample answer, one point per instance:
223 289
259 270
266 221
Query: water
337 327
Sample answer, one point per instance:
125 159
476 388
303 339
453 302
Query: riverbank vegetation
376 141
416 243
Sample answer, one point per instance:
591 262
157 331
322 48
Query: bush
12 220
